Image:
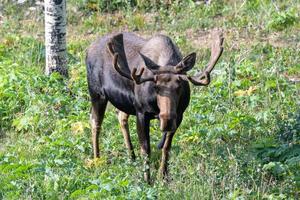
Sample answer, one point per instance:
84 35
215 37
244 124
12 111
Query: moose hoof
164 176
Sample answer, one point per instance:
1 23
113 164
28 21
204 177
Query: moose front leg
163 170
166 147
144 139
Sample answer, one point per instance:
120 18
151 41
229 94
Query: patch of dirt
236 37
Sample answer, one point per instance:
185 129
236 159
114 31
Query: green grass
239 138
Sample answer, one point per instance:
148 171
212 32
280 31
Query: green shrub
282 20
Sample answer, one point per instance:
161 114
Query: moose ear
186 64
152 66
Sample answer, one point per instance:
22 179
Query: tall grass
239 138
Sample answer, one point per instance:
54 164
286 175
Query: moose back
146 78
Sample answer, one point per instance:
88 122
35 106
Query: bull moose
146 78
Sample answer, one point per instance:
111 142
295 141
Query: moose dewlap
146 78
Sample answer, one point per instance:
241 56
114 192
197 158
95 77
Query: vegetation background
239 138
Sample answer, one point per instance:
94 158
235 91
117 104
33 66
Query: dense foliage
239 138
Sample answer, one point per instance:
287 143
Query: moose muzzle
167 116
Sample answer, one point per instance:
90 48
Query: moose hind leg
123 120
97 115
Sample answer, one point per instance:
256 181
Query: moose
146 78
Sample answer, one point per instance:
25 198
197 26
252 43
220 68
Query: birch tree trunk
55 37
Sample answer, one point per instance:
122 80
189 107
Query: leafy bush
282 20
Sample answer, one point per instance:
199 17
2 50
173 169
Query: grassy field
240 137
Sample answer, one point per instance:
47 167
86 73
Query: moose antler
117 68
203 78
117 43
116 48
136 77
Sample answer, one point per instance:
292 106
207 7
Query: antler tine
203 78
117 68
216 50
137 77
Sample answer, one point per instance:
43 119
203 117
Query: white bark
55 37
